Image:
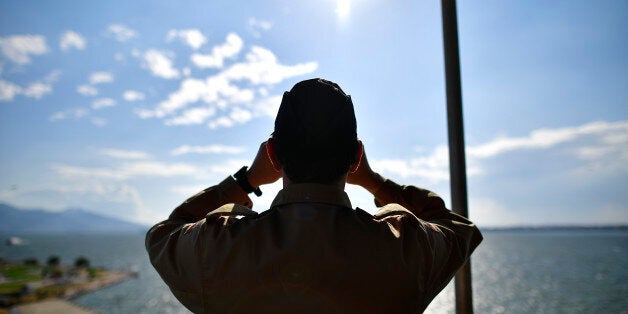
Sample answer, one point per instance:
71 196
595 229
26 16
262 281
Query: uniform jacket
311 252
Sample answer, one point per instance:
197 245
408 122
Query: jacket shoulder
231 210
392 210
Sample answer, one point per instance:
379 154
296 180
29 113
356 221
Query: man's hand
261 171
365 177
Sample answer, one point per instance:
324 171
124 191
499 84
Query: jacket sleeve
445 239
174 244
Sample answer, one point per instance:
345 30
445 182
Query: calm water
513 272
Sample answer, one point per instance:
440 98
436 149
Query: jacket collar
312 193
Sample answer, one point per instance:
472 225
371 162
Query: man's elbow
470 238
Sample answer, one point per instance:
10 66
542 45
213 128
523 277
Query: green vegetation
29 281
10 288
21 272
19 275
95 272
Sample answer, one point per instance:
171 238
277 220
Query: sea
513 271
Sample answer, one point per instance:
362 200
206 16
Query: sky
126 108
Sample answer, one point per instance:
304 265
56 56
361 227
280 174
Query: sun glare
343 7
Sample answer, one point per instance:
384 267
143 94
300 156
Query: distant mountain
14 221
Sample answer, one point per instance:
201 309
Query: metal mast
457 164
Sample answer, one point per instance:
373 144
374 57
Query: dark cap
316 114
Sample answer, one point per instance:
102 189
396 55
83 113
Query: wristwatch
244 183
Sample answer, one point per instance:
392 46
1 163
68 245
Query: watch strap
244 183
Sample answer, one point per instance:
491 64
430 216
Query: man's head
315 137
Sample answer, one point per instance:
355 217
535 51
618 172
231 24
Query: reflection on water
513 272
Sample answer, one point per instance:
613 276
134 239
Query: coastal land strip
30 287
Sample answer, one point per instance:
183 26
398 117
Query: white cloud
87 90
100 78
109 192
112 198
261 24
487 212
192 116
8 90
618 138
234 102
190 91
99 122
256 26
593 152
52 77
103 103
192 37
209 91
20 48
609 151
544 138
124 154
209 149
606 154
268 106
71 39
131 95
160 65
129 170
37 90
76 113
263 91
188 190
434 167
262 67
121 32
222 122
228 167
229 49
240 115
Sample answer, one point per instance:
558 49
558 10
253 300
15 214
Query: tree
53 261
81 262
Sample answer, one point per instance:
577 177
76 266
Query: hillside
14 221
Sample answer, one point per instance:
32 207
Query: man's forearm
422 203
197 206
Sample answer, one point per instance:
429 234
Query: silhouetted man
311 252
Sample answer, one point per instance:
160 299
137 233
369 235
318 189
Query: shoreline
65 302
26 286
53 305
113 277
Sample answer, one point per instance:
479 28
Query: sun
343 8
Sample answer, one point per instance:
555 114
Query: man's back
311 252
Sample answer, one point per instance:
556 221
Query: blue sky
126 108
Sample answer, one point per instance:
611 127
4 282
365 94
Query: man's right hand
261 171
